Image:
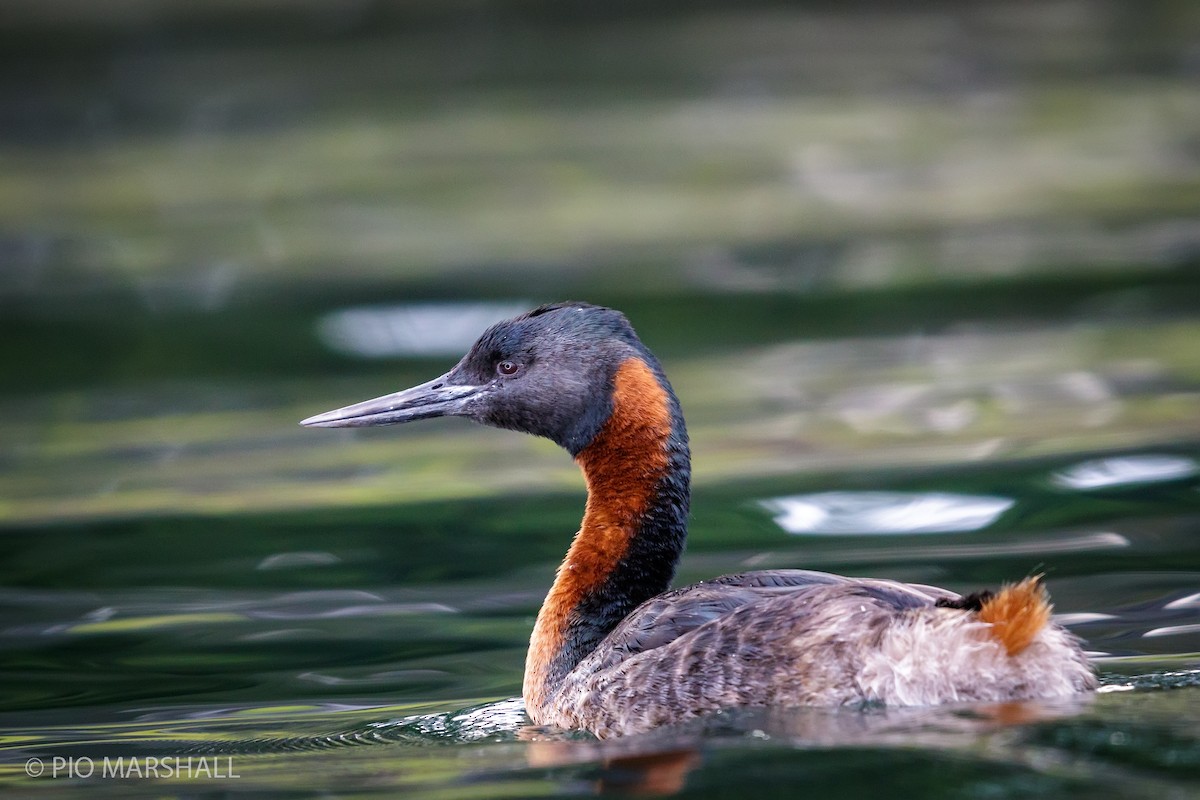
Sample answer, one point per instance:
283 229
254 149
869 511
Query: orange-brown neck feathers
1017 613
623 465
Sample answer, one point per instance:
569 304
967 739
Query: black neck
644 571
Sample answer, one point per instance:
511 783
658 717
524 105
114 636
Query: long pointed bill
437 398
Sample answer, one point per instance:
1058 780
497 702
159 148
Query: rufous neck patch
622 465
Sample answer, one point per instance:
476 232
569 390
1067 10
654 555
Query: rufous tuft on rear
1017 613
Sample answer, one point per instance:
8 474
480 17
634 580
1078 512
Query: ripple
885 512
1169 679
497 721
501 719
1191 601
295 560
1172 630
333 603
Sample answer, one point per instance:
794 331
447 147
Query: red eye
507 367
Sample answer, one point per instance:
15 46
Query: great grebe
614 652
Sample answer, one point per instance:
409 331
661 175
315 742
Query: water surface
924 278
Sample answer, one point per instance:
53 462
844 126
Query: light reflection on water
885 512
426 329
1104 473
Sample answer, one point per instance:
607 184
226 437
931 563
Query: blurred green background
913 268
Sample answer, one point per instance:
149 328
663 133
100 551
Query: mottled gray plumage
796 637
668 616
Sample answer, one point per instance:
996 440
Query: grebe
614 652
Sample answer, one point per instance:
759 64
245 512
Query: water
924 280
351 611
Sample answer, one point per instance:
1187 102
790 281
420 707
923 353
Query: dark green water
924 278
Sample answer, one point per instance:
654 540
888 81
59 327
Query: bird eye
508 367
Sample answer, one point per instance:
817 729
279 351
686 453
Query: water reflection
885 512
1172 630
1104 473
144 611
1191 601
312 558
423 329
